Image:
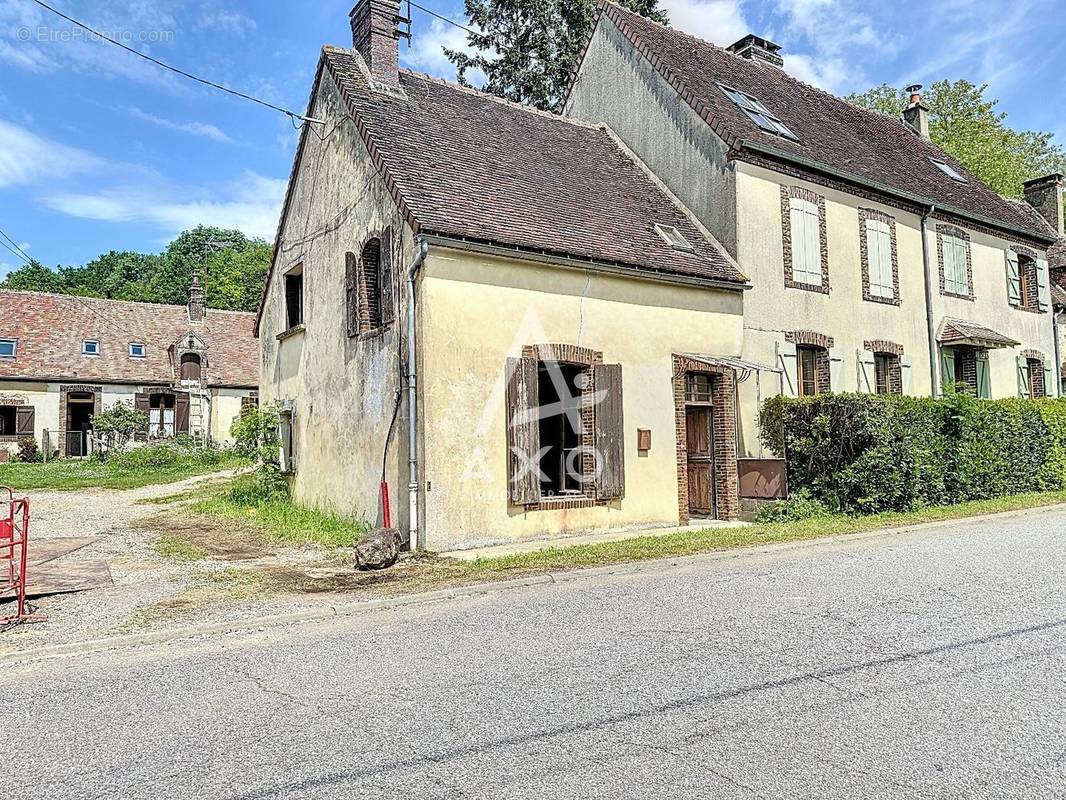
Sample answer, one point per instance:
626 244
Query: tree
529 49
119 424
232 266
966 125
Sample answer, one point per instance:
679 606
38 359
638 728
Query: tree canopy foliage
232 266
966 125
528 49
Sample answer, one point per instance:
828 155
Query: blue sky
100 150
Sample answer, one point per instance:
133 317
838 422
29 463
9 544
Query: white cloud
427 51
195 128
251 204
225 21
27 158
826 73
718 21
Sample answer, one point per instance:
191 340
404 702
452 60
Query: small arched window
191 367
368 287
370 273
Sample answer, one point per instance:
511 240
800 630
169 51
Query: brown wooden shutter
351 293
142 402
24 419
387 310
609 430
181 412
523 431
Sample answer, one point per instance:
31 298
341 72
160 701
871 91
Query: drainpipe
1058 353
930 321
412 397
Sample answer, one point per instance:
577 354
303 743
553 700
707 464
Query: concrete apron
597 537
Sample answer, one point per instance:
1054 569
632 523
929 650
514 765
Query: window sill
293 331
807 287
1026 308
885 301
968 297
563 503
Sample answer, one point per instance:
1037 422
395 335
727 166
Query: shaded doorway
80 407
699 430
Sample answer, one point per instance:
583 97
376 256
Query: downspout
1058 353
930 321
412 398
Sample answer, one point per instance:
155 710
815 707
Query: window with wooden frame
877 250
953 245
8 348
16 422
287 441
1027 280
698 388
373 285
564 431
807 370
806 244
294 297
1035 376
884 364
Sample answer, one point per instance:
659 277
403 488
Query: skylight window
673 237
136 350
948 170
759 113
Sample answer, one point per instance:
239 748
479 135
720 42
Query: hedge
862 453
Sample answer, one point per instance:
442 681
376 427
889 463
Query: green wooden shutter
1049 380
523 431
867 371
906 377
984 384
1014 281
1023 376
947 369
1044 290
609 431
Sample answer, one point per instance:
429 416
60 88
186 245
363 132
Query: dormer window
90 347
8 348
948 170
759 113
136 350
673 237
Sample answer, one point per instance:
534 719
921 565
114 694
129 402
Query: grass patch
171 547
285 521
685 543
115 473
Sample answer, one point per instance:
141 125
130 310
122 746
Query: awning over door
957 332
738 364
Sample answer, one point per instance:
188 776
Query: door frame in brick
64 391
724 415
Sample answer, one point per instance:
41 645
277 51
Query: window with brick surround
884 365
1027 280
956 271
804 240
370 287
8 348
807 370
1035 375
877 250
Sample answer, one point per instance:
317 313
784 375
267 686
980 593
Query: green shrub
872 453
799 505
28 452
262 485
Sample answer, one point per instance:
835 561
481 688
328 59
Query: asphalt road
926 664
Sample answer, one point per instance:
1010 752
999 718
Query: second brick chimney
917 113
1045 195
756 48
375 36
196 299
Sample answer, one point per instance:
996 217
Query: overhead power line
14 248
443 18
183 73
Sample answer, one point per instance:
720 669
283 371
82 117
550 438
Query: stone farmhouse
63 359
524 324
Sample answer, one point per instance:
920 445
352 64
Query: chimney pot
376 36
756 48
1045 195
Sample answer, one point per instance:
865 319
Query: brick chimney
756 48
196 299
1045 195
376 37
917 113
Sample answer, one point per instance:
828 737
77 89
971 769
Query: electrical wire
443 18
183 73
21 252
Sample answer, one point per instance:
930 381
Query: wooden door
700 441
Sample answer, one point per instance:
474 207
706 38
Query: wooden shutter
1049 380
142 402
1043 289
523 431
181 412
806 242
24 419
609 431
836 371
947 369
351 294
906 377
386 287
867 372
984 384
879 258
1023 376
1014 279
786 360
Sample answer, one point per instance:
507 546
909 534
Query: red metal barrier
14 544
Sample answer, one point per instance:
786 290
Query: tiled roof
467 165
958 331
50 329
873 149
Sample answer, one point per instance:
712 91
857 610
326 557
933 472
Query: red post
386 513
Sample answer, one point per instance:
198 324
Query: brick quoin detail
726 476
809 339
883 346
954 230
788 192
581 356
864 256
